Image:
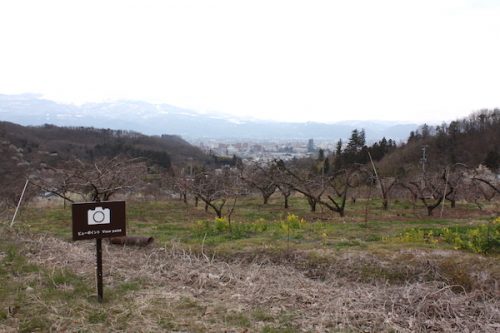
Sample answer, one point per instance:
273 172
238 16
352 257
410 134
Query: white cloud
297 60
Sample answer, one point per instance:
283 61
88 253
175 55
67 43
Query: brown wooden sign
98 219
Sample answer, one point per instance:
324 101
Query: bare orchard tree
94 181
385 184
476 192
181 185
58 181
283 187
316 187
481 184
259 177
455 176
309 184
488 179
430 188
286 191
486 189
216 188
339 184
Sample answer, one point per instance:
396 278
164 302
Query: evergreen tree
321 155
337 162
361 139
326 166
492 160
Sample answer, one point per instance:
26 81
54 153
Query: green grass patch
255 225
237 319
260 314
97 316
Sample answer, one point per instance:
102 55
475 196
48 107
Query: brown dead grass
406 291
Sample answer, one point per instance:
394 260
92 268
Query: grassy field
266 270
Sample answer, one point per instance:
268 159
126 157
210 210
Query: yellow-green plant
293 222
484 238
291 225
260 225
221 224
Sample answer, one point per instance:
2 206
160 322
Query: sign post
98 220
98 246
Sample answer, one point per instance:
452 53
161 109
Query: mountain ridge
157 119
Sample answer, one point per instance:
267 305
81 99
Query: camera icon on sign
98 216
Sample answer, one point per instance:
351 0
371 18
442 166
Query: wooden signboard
98 220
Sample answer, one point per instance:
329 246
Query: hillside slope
63 143
471 141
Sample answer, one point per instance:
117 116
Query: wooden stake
19 203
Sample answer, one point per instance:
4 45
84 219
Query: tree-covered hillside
49 144
471 141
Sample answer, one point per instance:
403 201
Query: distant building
310 146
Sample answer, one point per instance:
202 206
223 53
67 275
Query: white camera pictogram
98 215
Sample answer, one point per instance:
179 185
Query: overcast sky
288 60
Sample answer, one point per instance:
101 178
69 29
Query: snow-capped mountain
156 119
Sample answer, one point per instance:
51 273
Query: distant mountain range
156 119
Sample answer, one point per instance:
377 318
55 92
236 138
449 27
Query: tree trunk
429 210
312 204
476 201
286 201
385 204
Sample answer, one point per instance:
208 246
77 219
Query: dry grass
168 289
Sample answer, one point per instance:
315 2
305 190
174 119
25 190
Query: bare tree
286 191
58 181
215 188
335 186
429 188
338 186
182 184
481 183
455 175
385 184
259 177
490 183
94 181
311 185
487 188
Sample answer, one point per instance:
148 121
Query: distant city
262 151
